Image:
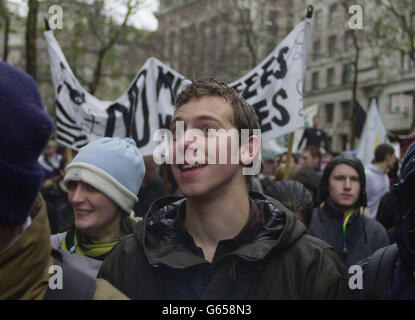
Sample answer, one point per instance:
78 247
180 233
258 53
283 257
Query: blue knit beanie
25 129
114 166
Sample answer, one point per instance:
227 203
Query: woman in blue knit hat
102 181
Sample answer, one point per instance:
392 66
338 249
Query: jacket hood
162 244
355 163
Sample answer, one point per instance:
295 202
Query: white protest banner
274 88
147 105
373 134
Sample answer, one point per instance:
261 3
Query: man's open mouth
188 167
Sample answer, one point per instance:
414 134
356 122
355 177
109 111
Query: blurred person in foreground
389 274
25 252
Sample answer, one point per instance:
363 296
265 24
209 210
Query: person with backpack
390 272
27 262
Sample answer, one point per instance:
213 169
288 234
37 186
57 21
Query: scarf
77 242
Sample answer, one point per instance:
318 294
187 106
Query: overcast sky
143 19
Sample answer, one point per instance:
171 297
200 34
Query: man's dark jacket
314 137
363 235
281 261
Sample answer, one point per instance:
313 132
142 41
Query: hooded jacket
360 236
24 267
280 261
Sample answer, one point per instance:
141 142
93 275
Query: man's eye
208 127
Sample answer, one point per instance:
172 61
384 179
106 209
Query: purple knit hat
25 129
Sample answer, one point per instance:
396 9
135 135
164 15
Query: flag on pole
373 134
359 120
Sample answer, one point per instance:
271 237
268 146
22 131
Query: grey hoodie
377 184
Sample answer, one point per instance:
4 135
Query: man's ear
250 149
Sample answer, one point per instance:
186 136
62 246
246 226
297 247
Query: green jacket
282 262
25 266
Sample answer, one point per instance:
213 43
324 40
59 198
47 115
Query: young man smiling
219 242
339 221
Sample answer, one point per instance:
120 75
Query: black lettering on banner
177 86
110 127
266 73
166 80
129 115
283 64
236 87
285 116
249 82
146 114
165 124
262 115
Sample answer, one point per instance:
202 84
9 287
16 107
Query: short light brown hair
244 114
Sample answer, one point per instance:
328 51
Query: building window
329 112
273 17
314 80
346 110
347 73
332 46
333 14
290 22
319 19
316 49
348 41
330 77
344 139
245 15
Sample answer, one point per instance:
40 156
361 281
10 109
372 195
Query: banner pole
289 154
68 154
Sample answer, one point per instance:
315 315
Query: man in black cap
339 220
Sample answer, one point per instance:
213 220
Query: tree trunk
6 38
97 73
354 91
31 29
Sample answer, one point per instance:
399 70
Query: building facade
215 37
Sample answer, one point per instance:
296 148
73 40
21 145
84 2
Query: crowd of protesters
123 227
